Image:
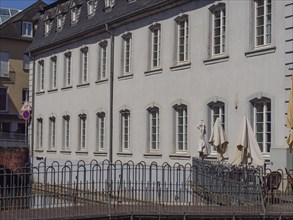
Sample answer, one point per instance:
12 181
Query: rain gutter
111 93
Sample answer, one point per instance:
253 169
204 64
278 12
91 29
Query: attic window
27 29
48 24
91 7
109 4
59 21
75 14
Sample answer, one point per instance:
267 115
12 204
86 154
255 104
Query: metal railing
103 189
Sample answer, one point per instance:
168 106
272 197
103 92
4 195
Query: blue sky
20 4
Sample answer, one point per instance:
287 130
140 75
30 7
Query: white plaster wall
237 79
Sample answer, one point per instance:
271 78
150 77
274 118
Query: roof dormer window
109 4
59 23
48 24
91 7
27 29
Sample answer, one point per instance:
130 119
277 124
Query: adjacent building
16 34
131 79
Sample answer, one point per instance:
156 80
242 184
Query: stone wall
12 158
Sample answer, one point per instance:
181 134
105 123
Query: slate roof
12 27
120 10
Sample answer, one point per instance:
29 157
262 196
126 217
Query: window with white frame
181 127
263 22
41 76
39 133
109 3
66 132
3 99
261 121
127 53
153 133
48 24
27 29
74 15
91 7
82 131
53 78
125 130
101 131
216 110
218 29
59 22
182 38
52 132
102 72
67 69
84 65
4 64
155 45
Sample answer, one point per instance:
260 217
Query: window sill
40 93
124 154
152 155
66 88
81 85
260 51
126 76
65 151
82 152
179 156
101 81
51 151
100 153
153 72
216 59
52 90
39 150
181 66
90 16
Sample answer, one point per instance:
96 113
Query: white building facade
130 80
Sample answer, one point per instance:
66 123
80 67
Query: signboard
26 115
25 106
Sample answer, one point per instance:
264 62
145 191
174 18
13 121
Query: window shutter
4 64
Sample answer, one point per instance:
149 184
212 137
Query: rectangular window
181 128
262 124
219 30
66 132
3 99
182 41
41 78
4 64
127 53
39 133
48 24
103 61
263 22
26 62
90 7
154 128
52 132
74 15
82 131
59 22
27 29
125 130
156 47
25 95
84 65
67 71
53 72
101 131
216 110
